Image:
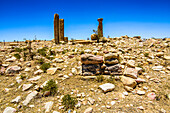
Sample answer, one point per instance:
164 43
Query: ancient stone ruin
95 64
59 29
100 27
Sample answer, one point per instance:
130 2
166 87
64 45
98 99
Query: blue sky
26 18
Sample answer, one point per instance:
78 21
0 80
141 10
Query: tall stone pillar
56 28
100 27
61 37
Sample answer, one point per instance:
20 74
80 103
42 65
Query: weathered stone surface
131 72
29 97
9 110
56 28
38 72
48 106
13 69
127 81
89 110
94 37
157 68
12 59
107 87
127 88
16 100
91 59
131 63
110 56
58 60
61 30
167 57
34 78
100 27
52 71
26 87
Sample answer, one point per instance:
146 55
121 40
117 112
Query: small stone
141 107
112 103
91 100
125 93
46 93
16 100
9 110
66 76
29 97
107 87
26 87
127 88
131 72
13 69
51 71
131 63
159 54
34 78
89 110
127 81
38 72
11 59
140 92
48 106
151 95
157 68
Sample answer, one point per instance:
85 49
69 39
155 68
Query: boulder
127 81
94 37
110 56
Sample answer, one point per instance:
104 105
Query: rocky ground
142 84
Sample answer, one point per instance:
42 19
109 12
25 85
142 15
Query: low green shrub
51 86
17 56
100 78
69 102
45 66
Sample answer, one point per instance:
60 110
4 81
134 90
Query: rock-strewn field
122 75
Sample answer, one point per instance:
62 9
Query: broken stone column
61 37
100 27
56 28
65 39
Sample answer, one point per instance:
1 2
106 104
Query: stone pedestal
61 37
100 27
56 28
65 39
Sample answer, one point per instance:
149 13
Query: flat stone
91 59
131 72
127 81
131 63
91 100
151 95
26 87
58 60
127 88
16 100
167 57
89 110
107 87
159 54
110 56
34 78
51 71
12 59
27 69
29 97
157 68
9 110
38 72
139 92
13 69
48 106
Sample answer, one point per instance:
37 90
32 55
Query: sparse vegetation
42 51
18 50
81 52
45 66
68 102
51 86
100 78
17 56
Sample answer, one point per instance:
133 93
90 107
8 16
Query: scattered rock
89 110
29 97
26 87
48 106
9 110
127 81
107 87
131 72
16 100
51 71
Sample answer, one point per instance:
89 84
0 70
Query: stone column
56 28
61 37
100 27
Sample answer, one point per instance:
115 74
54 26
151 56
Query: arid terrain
144 88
